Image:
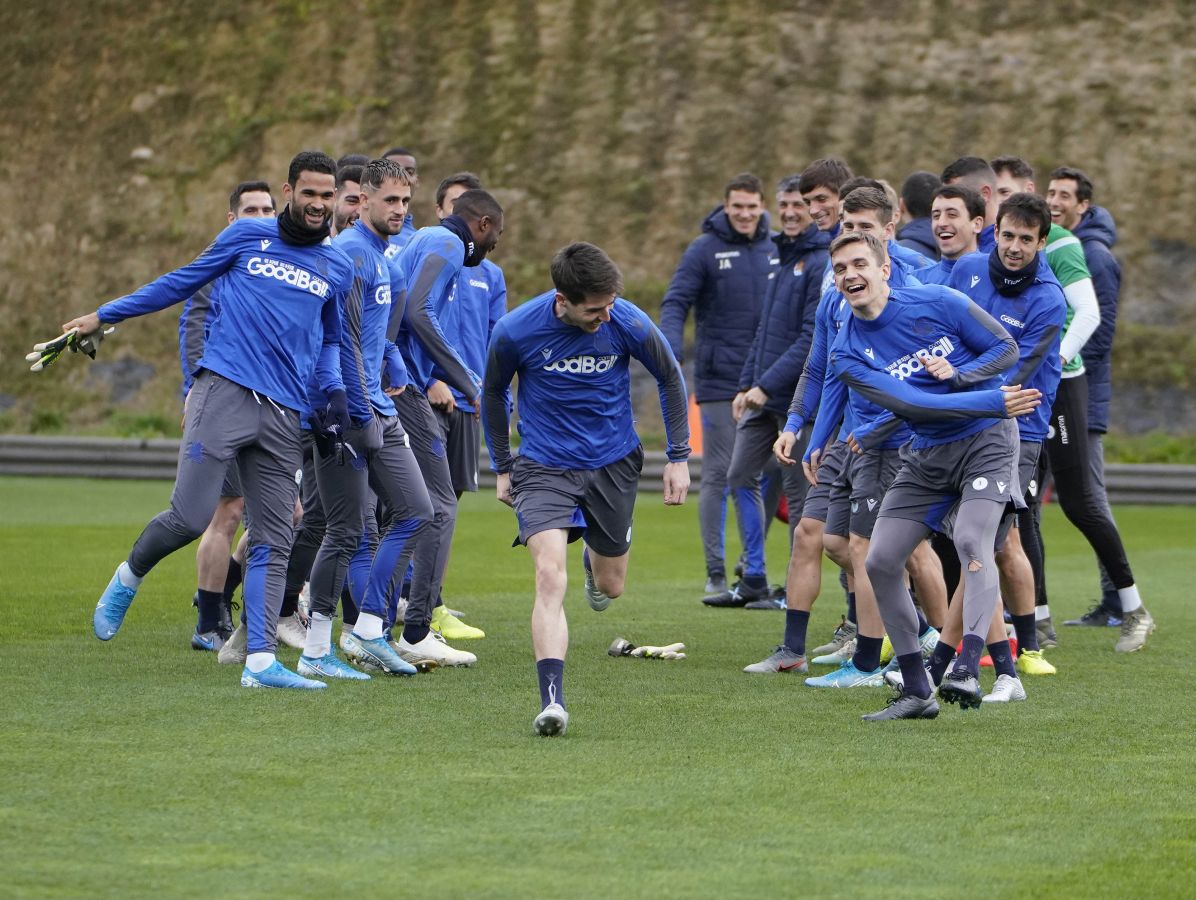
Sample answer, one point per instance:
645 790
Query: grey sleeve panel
195 327
1036 356
351 328
658 358
426 328
996 364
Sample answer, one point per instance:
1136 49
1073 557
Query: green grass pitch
141 768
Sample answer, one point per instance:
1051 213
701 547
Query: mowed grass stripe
141 768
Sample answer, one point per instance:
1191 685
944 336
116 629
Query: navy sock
413 634
209 603
867 653
1002 655
1027 633
913 674
940 658
551 673
922 623
851 608
754 582
348 607
232 580
969 657
796 622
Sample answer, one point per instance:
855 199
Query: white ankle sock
126 576
368 626
319 637
259 662
1129 598
1042 612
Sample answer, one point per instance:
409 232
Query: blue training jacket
1098 234
279 315
396 242
364 319
422 281
724 276
879 359
1035 320
480 300
786 327
574 395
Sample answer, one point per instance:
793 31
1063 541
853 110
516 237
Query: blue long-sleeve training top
480 301
880 359
422 282
1035 319
574 395
364 318
279 315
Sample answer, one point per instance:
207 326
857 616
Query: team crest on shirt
799 267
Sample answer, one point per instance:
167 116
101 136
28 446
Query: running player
278 320
933 358
214 566
571 348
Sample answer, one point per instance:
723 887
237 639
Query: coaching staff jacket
724 276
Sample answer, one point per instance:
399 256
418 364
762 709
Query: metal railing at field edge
88 457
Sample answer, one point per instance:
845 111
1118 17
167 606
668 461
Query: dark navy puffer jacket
724 276
1098 234
917 234
787 319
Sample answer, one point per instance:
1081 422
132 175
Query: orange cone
695 427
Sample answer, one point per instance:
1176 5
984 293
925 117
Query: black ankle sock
209 610
922 623
969 657
851 608
232 580
940 658
1002 656
551 674
796 623
867 653
913 674
1027 632
413 634
348 607
290 605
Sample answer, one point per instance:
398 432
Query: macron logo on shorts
582 365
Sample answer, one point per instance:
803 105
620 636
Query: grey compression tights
893 540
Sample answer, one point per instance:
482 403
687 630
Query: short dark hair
746 182
1015 166
310 161
352 159
858 181
917 191
973 168
972 201
863 198
789 184
348 173
468 180
582 270
398 151
474 204
829 173
871 241
1028 209
1083 182
234 199
380 170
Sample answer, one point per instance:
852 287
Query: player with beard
277 322
347 206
